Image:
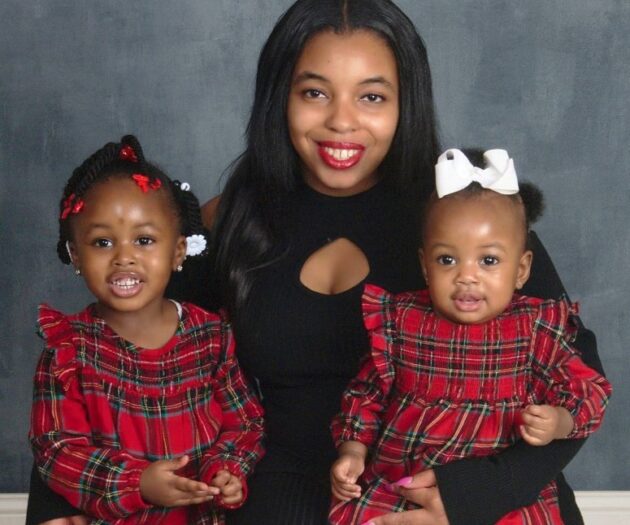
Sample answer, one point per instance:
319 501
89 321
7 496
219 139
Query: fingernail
404 482
368 523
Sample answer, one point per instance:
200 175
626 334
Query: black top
302 347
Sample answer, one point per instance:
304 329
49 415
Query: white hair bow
453 172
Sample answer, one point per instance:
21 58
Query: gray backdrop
546 79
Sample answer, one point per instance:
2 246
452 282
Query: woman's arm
45 504
481 490
238 446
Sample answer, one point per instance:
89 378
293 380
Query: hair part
264 176
110 162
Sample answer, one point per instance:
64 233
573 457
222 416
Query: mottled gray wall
546 79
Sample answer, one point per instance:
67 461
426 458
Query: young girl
462 369
140 412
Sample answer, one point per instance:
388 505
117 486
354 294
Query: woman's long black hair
267 172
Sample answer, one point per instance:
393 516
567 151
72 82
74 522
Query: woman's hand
70 520
423 490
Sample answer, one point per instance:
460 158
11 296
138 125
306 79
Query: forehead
121 197
349 53
487 213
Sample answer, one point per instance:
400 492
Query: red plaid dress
103 410
432 391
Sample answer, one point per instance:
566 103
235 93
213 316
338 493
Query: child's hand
161 486
344 474
541 424
230 486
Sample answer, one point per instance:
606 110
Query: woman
341 138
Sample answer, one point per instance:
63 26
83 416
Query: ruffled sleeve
364 400
560 376
61 434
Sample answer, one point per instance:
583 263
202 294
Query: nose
342 116
467 273
124 255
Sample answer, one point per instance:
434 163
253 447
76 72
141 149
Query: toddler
140 412
468 366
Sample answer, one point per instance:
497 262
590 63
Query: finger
234 498
350 490
421 480
410 517
221 478
184 501
233 486
532 420
343 495
529 437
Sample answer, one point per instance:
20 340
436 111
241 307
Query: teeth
126 283
341 154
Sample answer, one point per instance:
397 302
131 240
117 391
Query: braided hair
124 159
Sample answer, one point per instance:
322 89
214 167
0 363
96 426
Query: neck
149 328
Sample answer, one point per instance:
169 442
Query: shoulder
55 327
209 211
554 315
195 316
62 335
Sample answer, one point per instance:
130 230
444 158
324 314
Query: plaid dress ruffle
432 391
104 409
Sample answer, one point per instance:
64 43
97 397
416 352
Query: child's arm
103 482
357 426
568 386
346 470
239 444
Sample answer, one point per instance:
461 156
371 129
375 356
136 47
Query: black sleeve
481 490
45 504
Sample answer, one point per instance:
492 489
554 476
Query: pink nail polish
404 482
368 523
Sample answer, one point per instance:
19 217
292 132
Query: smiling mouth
125 287
340 155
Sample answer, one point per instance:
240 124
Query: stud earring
179 268
77 271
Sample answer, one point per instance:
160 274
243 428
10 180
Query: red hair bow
145 183
71 206
127 153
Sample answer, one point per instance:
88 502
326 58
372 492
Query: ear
73 254
524 267
423 265
179 253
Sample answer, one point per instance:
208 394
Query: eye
445 260
145 241
313 93
373 97
102 243
489 260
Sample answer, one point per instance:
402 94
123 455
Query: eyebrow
310 75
